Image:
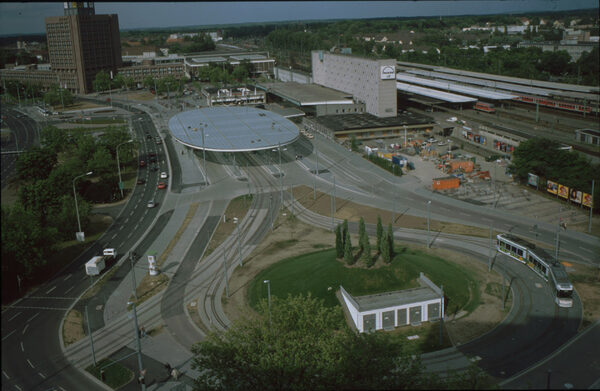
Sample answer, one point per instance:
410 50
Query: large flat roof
340 122
307 94
393 299
445 96
232 129
454 87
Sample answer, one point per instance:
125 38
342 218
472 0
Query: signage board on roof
388 72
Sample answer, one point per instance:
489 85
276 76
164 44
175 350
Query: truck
94 266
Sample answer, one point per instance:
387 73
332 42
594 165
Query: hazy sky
24 18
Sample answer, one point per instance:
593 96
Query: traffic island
111 373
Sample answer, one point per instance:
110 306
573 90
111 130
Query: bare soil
138 95
73 327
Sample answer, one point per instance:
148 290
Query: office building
81 44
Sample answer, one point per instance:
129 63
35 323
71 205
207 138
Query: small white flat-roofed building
385 311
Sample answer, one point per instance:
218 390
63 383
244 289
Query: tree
339 245
348 256
307 347
390 235
102 81
36 163
353 143
385 249
240 74
149 81
344 231
118 81
366 255
379 233
361 234
54 139
58 96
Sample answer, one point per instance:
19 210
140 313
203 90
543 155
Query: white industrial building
394 309
370 81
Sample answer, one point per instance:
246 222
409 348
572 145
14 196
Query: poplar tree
348 257
339 243
361 234
379 233
390 235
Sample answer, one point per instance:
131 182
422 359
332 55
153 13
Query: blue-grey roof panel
232 129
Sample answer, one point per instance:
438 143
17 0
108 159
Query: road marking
586 250
126 220
131 214
15 315
22 348
6 336
51 289
5 374
30 363
68 290
18 388
42 375
62 388
67 277
114 236
25 328
30 319
136 227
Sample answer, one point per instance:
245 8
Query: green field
116 374
316 272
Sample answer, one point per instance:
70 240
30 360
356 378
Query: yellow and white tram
540 262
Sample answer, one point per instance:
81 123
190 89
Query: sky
28 18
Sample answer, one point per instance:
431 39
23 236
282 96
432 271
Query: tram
541 263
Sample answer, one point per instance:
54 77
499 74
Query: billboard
533 180
388 72
575 196
586 200
552 187
563 191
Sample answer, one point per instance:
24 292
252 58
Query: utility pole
268 282
139 345
90 334
490 251
428 203
441 311
333 206
225 272
557 235
204 156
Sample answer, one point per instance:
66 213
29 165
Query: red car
162 185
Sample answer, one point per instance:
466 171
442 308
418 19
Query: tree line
384 245
44 214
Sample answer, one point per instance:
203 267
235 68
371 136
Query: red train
554 104
487 107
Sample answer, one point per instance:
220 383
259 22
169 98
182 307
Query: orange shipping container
445 183
465 165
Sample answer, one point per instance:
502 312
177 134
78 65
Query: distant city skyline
28 18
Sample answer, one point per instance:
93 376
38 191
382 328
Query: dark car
152 154
141 181
148 136
142 163
153 159
154 168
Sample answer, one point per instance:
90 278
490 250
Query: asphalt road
31 352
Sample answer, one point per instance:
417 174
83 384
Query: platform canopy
232 129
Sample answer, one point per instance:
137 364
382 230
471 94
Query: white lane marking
68 290
121 227
42 375
114 236
18 388
15 315
126 220
30 319
30 363
22 348
62 388
5 374
51 289
136 227
8 335
25 328
586 250
67 277
131 214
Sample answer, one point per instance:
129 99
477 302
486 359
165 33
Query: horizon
21 16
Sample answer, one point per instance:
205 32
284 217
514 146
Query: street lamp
139 346
79 234
119 166
428 203
268 282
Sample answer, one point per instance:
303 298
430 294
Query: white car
452 119
163 175
151 204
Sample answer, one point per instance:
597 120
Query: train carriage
541 263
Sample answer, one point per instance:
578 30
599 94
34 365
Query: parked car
151 204
153 159
163 175
158 140
141 181
162 185
142 163
154 167
148 136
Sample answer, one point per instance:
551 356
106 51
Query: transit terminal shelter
385 311
232 129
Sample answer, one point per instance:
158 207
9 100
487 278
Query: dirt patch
586 281
238 207
138 95
351 211
73 327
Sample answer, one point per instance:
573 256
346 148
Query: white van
110 252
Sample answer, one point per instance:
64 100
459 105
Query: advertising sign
533 180
152 265
575 196
552 187
587 200
563 191
388 72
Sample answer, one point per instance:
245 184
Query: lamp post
139 346
79 238
268 282
204 155
428 203
119 166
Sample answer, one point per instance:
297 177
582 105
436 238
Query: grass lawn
318 271
116 374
